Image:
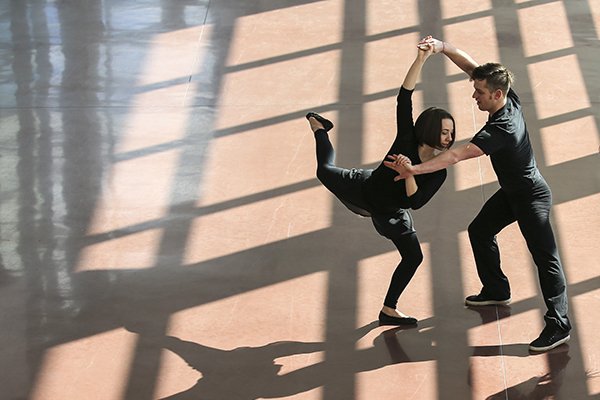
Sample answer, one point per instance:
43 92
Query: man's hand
401 164
424 50
436 45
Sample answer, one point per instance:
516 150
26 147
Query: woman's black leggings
410 250
346 185
411 255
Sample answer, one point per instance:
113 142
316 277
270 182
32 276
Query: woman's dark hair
428 127
496 76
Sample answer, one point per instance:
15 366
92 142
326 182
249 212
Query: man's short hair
496 76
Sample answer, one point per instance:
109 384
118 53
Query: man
524 195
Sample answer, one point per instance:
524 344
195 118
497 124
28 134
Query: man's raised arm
458 56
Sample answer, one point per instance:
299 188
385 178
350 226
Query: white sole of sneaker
488 303
553 345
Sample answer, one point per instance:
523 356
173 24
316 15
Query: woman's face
447 133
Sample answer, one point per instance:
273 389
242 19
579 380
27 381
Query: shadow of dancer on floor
248 373
546 386
241 373
540 387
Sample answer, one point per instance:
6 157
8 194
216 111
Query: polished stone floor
163 234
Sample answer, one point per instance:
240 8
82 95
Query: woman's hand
401 164
436 46
424 50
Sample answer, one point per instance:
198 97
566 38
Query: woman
375 194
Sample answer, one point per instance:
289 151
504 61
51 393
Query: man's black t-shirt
383 194
506 140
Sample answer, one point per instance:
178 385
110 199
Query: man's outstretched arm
443 160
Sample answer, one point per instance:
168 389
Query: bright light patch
105 358
540 38
570 140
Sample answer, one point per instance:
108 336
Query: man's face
482 95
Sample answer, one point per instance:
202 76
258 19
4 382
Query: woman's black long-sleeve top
381 191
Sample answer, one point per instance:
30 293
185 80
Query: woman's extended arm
410 81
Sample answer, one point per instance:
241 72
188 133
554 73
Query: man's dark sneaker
482 300
550 338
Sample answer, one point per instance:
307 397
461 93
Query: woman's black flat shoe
385 319
327 124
